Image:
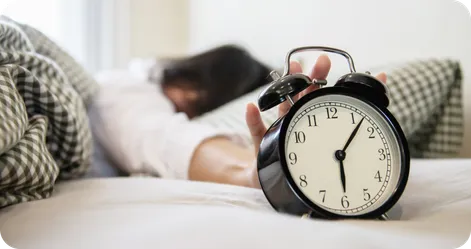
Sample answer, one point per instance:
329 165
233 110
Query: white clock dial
371 161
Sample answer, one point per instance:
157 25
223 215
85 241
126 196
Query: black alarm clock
338 153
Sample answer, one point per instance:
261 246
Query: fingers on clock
382 77
320 71
294 67
255 123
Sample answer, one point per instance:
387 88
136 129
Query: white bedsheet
435 212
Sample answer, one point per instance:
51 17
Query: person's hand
253 118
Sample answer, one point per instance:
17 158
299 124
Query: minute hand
353 135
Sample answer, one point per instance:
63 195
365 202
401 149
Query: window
53 18
81 27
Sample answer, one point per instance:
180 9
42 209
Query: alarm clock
338 153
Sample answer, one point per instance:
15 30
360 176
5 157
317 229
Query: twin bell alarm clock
338 152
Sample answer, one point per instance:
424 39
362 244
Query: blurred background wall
159 27
374 32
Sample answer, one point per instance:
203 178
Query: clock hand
342 176
340 155
353 135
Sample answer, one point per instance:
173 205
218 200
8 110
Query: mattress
434 212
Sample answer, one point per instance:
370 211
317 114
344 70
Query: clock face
342 155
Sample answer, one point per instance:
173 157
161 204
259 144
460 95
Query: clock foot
306 215
384 217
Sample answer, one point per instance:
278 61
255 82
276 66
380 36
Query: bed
435 212
149 212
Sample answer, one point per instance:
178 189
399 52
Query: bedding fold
44 132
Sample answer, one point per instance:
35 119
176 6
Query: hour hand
340 155
342 177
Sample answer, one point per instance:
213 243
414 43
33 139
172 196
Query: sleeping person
208 80
146 132
170 95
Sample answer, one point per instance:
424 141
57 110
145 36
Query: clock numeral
312 120
353 118
303 182
345 203
371 130
332 110
323 197
378 176
293 157
366 195
382 156
300 137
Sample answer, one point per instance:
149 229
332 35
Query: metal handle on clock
318 48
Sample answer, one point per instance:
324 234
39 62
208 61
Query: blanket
44 132
425 97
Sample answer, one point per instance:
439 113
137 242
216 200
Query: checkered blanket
44 129
426 98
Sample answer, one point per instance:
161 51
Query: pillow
425 97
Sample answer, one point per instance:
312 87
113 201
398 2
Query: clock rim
397 132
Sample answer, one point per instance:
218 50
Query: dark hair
223 73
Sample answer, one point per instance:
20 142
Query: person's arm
220 160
